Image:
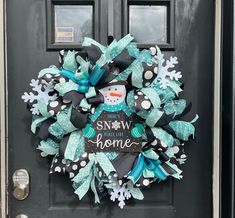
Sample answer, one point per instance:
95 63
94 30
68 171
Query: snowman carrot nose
116 94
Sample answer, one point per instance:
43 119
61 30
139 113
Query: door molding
3 106
216 118
216 186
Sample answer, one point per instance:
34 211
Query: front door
36 32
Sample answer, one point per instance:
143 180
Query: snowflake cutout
121 193
182 160
41 93
116 125
165 72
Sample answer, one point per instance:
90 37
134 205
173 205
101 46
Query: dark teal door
181 27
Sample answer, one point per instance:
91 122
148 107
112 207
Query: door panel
52 195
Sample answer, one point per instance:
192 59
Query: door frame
228 112
3 106
216 117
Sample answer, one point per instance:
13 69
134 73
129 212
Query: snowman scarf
111 117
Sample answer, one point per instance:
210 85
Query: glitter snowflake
41 92
121 193
116 125
166 72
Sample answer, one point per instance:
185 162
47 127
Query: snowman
112 127
114 94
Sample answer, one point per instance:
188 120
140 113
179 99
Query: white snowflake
181 160
41 93
116 125
121 193
165 72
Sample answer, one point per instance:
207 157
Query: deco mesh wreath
111 118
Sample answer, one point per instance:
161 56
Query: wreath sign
111 117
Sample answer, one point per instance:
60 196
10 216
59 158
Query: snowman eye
109 89
115 89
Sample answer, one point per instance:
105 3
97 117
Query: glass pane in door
148 23
73 23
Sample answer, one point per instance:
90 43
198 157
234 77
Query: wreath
111 117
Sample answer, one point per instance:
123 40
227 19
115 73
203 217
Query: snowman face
113 94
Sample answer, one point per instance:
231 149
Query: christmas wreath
111 117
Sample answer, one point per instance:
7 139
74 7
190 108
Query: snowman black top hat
109 77
113 83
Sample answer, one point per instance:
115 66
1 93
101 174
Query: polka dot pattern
83 163
100 171
58 169
71 175
56 106
153 50
78 164
75 166
146 182
43 154
158 145
62 80
146 104
120 180
149 74
179 151
141 101
58 165
53 78
48 76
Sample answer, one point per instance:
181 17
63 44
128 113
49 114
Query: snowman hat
113 83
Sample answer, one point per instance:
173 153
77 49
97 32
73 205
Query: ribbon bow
86 81
151 165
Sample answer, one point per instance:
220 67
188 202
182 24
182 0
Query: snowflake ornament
165 72
41 92
116 125
121 193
